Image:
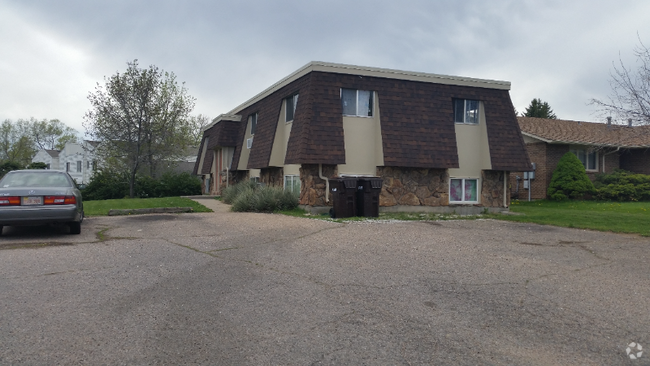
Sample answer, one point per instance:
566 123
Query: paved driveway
254 289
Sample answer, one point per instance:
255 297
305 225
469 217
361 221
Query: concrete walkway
210 202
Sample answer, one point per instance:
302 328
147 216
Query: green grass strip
101 208
618 217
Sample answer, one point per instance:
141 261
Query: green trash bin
344 197
368 191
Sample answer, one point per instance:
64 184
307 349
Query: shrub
569 180
37 165
229 194
622 185
179 184
251 197
106 184
8 166
110 184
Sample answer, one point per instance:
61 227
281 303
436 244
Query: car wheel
75 228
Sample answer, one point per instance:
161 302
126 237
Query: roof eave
374 72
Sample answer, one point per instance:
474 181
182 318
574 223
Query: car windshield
31 179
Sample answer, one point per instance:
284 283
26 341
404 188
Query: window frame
463 193
371 103
465 111
293 99
295 179
252 119
587 154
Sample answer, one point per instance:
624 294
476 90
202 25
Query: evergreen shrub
622 185
569 180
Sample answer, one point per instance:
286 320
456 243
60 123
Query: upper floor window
253 121
290 107
356 102
466 111
78 166
589 159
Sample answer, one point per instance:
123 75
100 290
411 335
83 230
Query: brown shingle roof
586 133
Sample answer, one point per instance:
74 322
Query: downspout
611 152
505 191
327 183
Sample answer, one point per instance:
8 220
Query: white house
76 159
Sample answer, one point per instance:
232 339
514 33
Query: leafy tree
569 179
52 134
16 143
37 165
630 98
140 117
539 109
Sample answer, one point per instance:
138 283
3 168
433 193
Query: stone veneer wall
492 189
312 188
414 187
272 177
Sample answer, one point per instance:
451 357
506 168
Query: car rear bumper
38 215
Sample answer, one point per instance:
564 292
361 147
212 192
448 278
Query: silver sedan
39 197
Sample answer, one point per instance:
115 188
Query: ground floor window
588 158
463 190
292 183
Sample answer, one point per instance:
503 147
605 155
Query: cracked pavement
257 289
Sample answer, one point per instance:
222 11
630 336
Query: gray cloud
561 52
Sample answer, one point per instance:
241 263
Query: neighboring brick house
601 147
441 143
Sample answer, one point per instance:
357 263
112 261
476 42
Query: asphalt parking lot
256 289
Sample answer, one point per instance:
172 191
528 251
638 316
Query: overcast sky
52 53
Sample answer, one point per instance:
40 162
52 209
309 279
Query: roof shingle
586 133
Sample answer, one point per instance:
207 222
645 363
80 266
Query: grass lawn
101 208
618 217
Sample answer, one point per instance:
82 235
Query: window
466 111
253 120
255 179
79 166
67 167
94 164
356 102
463 190
88 165
292 183
589 159
290 107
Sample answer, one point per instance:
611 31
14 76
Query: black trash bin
344 197
368 191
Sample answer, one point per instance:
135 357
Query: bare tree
139 118
630 98
196 125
